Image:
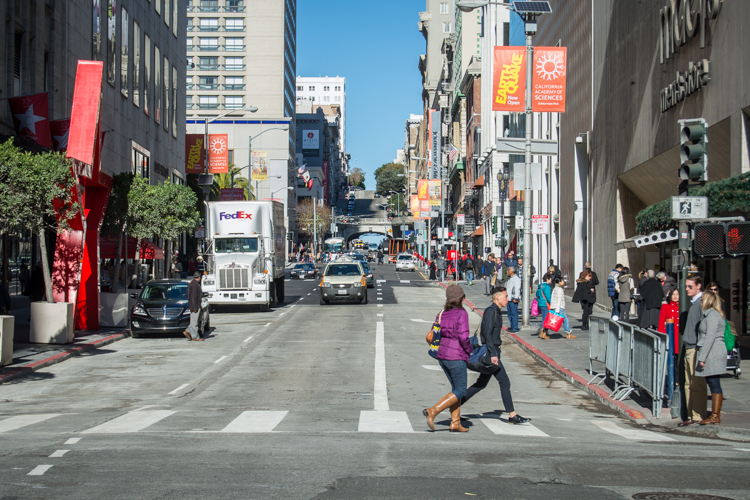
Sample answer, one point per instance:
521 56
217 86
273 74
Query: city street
311 401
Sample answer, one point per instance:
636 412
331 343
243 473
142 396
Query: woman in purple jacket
453 354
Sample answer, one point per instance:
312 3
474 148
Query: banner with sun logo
218 153
509 80
548 82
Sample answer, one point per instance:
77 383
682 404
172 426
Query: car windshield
357 256
404 257
366 267
343 270
305 267
235 245
165 291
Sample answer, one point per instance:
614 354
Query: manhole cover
676 496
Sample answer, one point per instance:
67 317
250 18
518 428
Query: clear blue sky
375 45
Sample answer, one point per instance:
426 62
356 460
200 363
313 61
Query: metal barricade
611 358
598 344
663 353
624 374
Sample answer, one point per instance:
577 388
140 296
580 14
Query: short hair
512 269
547 276
696 279
651 273
497 290
559 280
661 274
587 264
625 270
618 266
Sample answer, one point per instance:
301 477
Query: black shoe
514 331
518 419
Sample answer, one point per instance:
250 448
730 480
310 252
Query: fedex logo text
235 215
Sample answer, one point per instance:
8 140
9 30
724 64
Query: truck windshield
234 245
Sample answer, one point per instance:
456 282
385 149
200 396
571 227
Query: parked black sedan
162 307
304 271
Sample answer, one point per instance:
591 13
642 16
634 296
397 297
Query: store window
140 161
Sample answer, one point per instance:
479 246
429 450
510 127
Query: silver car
405 262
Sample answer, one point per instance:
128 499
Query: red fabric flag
31 117
59 131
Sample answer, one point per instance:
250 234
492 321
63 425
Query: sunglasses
689 286
714 289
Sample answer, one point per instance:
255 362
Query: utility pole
527 186
315 227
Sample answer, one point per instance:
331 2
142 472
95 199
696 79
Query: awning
479 183
108 249
649 239
478 232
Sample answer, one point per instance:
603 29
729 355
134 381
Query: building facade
325 91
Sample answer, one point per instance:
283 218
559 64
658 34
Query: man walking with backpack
469 268
488 270
478 265
440 266
612 289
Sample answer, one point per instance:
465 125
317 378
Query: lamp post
250 150
529 12
233 173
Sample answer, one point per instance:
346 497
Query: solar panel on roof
531 7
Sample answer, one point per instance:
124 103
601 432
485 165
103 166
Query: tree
306 218
115 219
357 177
142 217
388 179
224 181
36 193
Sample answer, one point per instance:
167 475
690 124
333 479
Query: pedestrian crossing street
255 422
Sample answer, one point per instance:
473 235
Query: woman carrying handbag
544 297
584 296
453 354
558 304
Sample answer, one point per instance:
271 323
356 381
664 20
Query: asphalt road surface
310 401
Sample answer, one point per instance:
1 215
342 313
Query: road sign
517 146
519 179
540 224
434 213
460 219
689 207
200 232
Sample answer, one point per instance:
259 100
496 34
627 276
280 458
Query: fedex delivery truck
245 253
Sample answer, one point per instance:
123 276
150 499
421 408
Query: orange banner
218 153
194 153
423 188
548 82
435 192
414 203
509 80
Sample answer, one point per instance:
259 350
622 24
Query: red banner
195 154
218 153
83 140
31 117
509 79
548 83
423 189
226 194
59 131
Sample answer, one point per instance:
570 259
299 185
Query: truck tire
273 297
280 290
265 307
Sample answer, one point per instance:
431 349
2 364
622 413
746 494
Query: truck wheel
280 291
265 307
272 293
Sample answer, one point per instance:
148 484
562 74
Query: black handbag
480 360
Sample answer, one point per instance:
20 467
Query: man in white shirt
513 284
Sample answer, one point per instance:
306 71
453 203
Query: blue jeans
513 315
566 325
470 276
543 311
455 370
615 306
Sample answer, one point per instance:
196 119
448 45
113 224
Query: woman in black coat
652 295
585 296
433 269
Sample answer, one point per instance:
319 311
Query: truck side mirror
133 295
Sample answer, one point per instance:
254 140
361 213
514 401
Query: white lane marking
220 359
293 305
58 454
435 368
405 281
380 305
497 426
417 320
267 324
742 449
133 421
635 434
384 421
380 314
309 293
381 389
178 389
380 298
287 280
248 339
565 419
39 470
72 441
255 421
381 281
380 293
13 423
282 314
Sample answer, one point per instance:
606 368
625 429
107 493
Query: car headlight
358 284
325 284
139 310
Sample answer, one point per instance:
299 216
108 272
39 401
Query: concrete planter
52 323
113 309
6 339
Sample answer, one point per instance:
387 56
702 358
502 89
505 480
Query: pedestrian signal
738 238
708 240
693 150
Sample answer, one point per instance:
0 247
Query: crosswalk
273 421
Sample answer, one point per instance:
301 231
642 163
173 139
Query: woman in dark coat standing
584 295
433 270
453 354
652 295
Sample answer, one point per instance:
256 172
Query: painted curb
15 373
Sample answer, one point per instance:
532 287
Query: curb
15 373
597 392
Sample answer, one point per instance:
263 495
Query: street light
528 11
233 173
250 151
281 189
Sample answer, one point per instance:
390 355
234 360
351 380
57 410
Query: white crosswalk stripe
627 433
13 423
504 428
133 421
255 421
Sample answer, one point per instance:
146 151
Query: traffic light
693 150
494 224
290 236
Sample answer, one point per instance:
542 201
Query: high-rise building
325 91
241 56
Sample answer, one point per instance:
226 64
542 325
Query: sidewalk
570 359
28 358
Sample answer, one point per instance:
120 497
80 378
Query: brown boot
446 401
456 419
543 335
715 417
570 335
